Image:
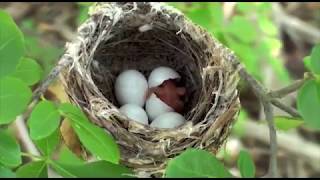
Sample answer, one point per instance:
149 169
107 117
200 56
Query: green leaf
48 144
180 5
209 16
267 26
97 169
67 157
248 57
246 7
44 120
307 62
47 56
315 59
196 163
14 98
95 139
10 154
246 165
6 173
11 44
29 71
82 14
85 3
308 103
242 29
35 169
286 123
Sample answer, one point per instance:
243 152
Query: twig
261 92
273 168
280 93
285 108
24 136
50 78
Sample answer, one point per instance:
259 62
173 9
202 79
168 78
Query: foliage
253 39
18 72
9 150
246 165
11 44
44 120
308 100
250 33
196 163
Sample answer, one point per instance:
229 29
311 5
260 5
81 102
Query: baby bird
170 94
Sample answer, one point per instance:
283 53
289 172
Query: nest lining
143 36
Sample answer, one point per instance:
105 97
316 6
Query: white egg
168 120
160 74
131 88
156 107
135 112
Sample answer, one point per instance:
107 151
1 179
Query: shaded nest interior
143 36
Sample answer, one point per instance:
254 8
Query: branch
287 109
280 93
268 99
268 110
24 136
262 93
49 79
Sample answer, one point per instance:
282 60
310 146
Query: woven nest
142 36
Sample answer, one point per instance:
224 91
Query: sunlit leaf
10 154
34 169
44 120
11 44
97 169
82 14
29 71
6 172
315 59
307 62
67 157
267 26
47 145
14 98
245 7
95 139
246 165
242 29
196 163
209 16
85 3
248 57
308 103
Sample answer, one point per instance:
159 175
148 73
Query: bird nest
142 36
